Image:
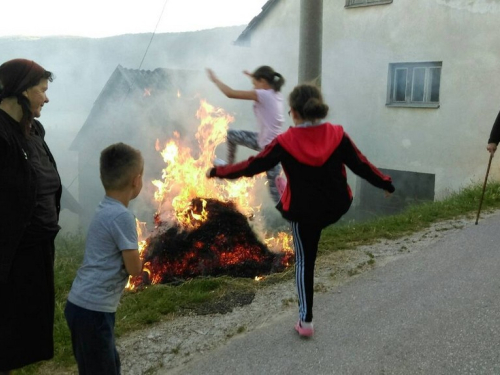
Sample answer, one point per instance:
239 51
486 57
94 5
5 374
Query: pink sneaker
280 184
303 331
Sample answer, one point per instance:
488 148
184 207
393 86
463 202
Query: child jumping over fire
111 255
268 109
313 155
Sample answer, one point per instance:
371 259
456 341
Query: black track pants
305 242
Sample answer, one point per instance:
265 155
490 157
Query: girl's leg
250 139
271 182
240 138
305 243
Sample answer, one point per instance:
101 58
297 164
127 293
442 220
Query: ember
223 244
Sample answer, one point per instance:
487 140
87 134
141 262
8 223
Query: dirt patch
226 304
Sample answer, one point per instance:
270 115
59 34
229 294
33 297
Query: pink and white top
269 113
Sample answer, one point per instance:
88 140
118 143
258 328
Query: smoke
83 66
357 49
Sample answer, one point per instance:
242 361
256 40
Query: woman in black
30 192
313 155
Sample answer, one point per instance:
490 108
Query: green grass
415 218
163 302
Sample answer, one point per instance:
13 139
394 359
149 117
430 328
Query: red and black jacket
313 159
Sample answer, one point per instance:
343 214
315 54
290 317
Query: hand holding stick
484 185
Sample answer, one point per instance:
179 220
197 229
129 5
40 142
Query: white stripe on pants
305 242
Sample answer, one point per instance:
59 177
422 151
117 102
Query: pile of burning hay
206 236
222 244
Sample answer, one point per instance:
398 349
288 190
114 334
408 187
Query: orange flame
184 178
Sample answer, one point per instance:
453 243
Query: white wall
275 41
449 141
358 45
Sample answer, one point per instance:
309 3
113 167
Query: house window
363 3
414 84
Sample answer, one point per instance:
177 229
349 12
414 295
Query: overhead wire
140 65
154 33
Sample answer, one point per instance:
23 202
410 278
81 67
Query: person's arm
12 196
229 92
263 161
494 136
132 261
359 164
124 233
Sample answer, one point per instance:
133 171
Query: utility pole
311 41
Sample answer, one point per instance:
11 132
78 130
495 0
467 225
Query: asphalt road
436 311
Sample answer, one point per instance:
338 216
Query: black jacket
313 159
18 190
495 131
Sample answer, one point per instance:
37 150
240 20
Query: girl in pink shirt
268 110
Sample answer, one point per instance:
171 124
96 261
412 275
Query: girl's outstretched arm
229 92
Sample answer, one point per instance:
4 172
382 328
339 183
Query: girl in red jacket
313 155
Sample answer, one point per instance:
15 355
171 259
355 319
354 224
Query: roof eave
244 38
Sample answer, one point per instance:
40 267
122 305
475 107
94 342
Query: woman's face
37 95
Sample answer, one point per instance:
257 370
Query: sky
103 18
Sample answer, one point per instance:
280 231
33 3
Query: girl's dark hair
274 79
307 101
16 76
119 163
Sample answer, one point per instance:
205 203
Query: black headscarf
16 76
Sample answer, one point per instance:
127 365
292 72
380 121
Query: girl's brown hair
267 73
307 101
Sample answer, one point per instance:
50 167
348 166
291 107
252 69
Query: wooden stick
484 187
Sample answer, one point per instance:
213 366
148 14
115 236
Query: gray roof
122 87
244 38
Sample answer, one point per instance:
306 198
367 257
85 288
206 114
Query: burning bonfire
206 227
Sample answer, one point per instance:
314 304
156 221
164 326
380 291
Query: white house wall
275 41
358 46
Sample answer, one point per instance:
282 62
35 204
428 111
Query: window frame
366 3
410 90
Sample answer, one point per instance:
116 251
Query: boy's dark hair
274 79
307 101
119 163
